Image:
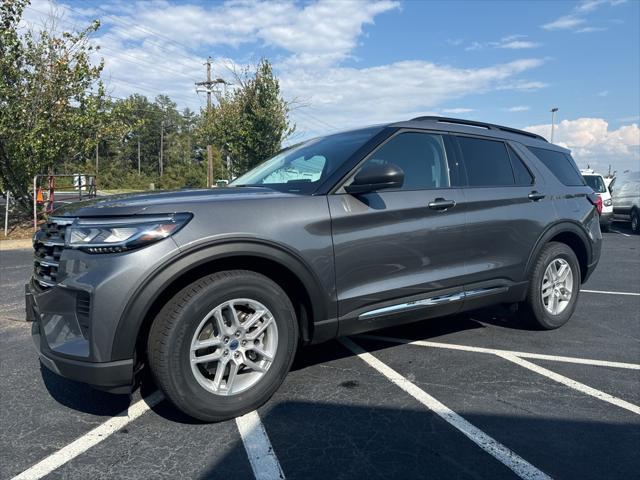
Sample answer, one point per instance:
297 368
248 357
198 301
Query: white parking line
581 387
493 351
616 231
517 464
90 439
264 462
633 294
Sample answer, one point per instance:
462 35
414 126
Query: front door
397 251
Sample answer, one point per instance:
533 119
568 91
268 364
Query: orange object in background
39 196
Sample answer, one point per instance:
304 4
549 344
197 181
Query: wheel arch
310 299
571 234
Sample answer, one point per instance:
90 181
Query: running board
431 301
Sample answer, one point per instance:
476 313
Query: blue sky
349 63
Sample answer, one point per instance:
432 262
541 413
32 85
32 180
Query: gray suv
214 290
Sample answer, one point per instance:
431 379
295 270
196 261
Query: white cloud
159 47
518 44
512 42
577 17
456 111
592 142
590 30
565 22
603 93
519 108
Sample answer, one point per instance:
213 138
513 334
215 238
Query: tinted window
595 182
487 162
520 171
303 167
421 157
560 164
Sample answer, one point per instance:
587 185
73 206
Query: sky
347 63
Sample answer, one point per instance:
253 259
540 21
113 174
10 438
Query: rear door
395 246
507 209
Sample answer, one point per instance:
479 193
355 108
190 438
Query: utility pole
97 159
161 145
138 156
208 85
553 121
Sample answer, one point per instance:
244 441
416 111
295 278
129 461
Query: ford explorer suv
215 290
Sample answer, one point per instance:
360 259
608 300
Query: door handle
441 204
535 196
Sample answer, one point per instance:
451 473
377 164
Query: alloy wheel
557 286
233 346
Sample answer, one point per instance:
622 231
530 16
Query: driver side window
421 156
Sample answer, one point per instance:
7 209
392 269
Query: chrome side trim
431 301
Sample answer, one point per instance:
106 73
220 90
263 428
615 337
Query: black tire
635 221
533 307
605 227
173 329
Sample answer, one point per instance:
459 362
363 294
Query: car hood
169 201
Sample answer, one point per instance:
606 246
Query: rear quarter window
560 164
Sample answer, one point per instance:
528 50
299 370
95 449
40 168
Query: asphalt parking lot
471 396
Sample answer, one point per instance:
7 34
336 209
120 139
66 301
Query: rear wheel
554 286
222 346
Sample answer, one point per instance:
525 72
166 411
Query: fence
60 189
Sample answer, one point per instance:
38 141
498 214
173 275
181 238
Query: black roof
472 126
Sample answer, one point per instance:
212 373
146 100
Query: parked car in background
214 290
598 184
625 191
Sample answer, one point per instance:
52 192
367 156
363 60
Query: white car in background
597 183
625 190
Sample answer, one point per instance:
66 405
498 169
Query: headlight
112 235
608 202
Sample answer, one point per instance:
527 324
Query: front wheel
554 286
223 345
635 221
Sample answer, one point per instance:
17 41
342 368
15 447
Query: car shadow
83 398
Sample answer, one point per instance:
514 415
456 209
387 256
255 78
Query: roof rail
472 123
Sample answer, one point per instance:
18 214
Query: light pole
553 121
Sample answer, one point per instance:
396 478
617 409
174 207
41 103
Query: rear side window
561 164
487 162
421 156
520 171
596 183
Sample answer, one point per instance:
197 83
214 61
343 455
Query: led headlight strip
113 235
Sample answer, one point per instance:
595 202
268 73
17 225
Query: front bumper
75 318
606 218
114 377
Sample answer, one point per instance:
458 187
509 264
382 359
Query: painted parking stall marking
90 439
263 460
581 387
494 351
518 358
501 453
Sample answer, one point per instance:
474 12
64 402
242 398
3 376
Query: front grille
48 244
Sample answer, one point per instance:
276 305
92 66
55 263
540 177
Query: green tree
50 100
249 123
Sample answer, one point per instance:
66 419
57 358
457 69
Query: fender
555 229
154 285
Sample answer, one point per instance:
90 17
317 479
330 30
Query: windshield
596 183
301 169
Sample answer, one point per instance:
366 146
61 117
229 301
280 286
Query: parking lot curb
19 244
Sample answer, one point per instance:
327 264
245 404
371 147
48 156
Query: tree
50 99
249 123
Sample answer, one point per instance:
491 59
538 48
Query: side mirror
374 177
